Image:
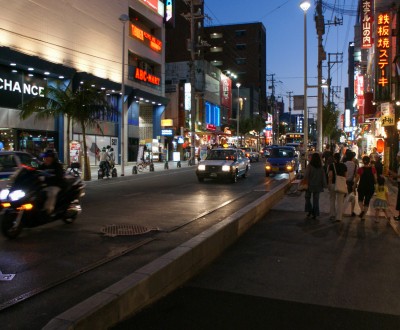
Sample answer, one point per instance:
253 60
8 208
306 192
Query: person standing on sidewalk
336 198
351 166
366 180
316 178
382 199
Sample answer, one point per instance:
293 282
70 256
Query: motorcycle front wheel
9 227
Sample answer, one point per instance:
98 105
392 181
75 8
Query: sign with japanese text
149 40
387 117
383 34
367 19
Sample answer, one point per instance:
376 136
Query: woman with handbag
315 175
337 171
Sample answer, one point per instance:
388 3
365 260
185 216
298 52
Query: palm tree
87 106
91 108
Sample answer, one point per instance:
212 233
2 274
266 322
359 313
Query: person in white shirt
351 173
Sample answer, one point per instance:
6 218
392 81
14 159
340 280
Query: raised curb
166 273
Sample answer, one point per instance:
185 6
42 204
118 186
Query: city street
57 266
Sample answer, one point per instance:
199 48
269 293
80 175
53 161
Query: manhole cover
125 230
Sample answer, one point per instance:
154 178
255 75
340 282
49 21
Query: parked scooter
104 172
22 202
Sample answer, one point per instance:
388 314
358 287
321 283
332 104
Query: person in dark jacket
316 178
54 179
366 179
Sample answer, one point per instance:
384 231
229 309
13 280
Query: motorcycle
22 202
102 172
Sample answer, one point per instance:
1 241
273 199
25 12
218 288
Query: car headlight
201 167
16 195
268 166
4 194
226 168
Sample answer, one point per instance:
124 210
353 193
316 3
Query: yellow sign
167 122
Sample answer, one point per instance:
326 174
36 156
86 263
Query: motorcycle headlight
16 195
226 168
4 194
201 167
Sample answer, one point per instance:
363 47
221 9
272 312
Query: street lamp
123 18
238 112
305 5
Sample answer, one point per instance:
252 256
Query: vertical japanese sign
367 19
387 114
383 54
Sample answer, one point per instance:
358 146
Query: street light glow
305 5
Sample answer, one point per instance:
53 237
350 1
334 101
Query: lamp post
123 18
238 112
305 5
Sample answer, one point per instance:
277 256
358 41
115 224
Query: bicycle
144 165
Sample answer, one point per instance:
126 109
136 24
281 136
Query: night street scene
200 164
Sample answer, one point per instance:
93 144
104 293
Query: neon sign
145 37
146 77
383 46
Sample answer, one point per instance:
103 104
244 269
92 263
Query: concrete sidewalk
128 169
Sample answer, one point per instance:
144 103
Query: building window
240 33
240 46
216 49
216 35
241 60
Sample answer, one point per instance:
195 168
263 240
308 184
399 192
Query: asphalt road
57 266
289 273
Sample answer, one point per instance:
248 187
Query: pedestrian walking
366 180
382 199
315 175
352 167
396 175
336 198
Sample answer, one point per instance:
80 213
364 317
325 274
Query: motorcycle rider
54 179
105 161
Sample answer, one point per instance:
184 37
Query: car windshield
7 163
221 155
281 153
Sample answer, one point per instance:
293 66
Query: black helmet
49 153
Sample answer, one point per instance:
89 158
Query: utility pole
338 58
290 110
192 16
275 124
320 25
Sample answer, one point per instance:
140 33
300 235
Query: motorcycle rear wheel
8 227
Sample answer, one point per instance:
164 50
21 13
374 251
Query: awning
140 95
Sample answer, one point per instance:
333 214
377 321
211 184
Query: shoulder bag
340 183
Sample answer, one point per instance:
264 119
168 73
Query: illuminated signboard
383 51
167 132
188 96
145 37
367 19
167 122
146 77
387 117
168 10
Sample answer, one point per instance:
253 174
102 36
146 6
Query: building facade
376 78
68 42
